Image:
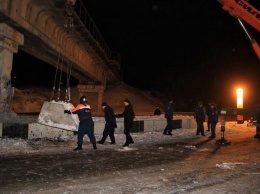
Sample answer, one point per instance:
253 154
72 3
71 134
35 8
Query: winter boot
79 147
94 146
126 144
101 142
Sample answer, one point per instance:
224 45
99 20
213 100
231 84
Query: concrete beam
41 19
150 124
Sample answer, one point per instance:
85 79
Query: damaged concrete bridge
39 28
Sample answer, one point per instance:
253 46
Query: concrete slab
150 124
52 114
39 131
36 131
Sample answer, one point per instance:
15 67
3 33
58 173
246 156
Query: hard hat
83 99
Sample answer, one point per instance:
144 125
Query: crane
242 10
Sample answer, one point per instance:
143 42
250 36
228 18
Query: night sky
187 49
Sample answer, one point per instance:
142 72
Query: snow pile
14 145
229 166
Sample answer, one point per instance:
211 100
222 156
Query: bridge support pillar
97 89
10 39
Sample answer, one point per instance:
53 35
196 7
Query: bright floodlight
239 98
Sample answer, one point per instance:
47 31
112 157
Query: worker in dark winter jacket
157 111
213 119
169 116
86 124
200 118
129 116
110 124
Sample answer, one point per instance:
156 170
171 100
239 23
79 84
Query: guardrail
87 20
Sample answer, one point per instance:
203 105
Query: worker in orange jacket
86 124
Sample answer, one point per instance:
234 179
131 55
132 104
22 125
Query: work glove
67 111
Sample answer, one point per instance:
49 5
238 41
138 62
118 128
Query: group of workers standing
201 114
211 113
86 124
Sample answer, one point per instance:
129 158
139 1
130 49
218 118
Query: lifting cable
67 97
58 97
69 66
59 66
55 78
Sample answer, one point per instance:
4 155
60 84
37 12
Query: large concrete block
193 123
13 130
37 130
186 123
177 123
120 126
138 126
159 125
146 124
99 127
52 114
56 133
149 125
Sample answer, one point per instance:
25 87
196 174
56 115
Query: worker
86 124
169 116
129 116
157 111
110 124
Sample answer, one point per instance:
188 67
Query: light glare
239 98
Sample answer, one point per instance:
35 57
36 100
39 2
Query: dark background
189 50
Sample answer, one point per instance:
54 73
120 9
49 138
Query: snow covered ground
155 163
17 146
